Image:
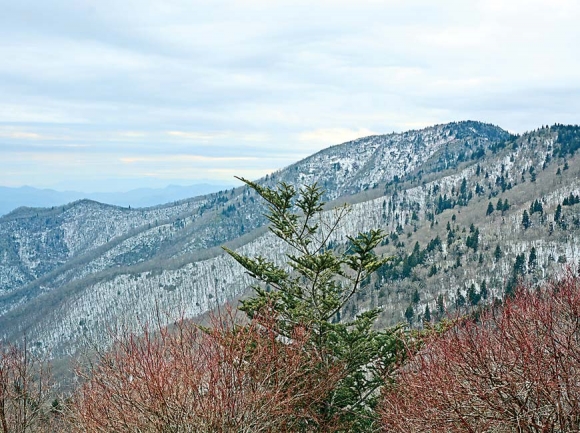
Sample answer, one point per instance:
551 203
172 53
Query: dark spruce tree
472 296
505 206
483 290
489 209
459 299
526 220
312 289
497 253
440 305
532 260
415 298
558 214
410 314
427 315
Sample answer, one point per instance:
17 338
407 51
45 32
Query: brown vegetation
516 368
226 378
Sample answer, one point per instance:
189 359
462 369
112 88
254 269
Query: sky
110 95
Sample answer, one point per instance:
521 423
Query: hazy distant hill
12 198
451 197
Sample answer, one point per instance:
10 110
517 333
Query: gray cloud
96 81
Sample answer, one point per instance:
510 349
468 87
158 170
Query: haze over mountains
451 198
12 198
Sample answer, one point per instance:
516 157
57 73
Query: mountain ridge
13 198
402 205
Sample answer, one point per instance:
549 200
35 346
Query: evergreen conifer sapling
312 289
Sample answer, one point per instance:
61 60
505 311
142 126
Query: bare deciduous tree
25 385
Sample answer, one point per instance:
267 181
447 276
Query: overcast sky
112 94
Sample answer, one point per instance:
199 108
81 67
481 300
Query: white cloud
183 159
37 110
18 135
26 135
198 136
132 134
230 173
330 136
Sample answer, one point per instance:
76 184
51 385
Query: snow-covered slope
367 162
68 274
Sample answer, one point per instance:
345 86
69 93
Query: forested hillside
468 208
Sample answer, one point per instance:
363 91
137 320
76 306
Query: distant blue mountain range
12 198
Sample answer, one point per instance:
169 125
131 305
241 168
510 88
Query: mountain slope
123 262
40 241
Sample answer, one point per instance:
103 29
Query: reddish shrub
229 378
516 369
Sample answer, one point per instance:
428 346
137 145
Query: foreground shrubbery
515 369
231 377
